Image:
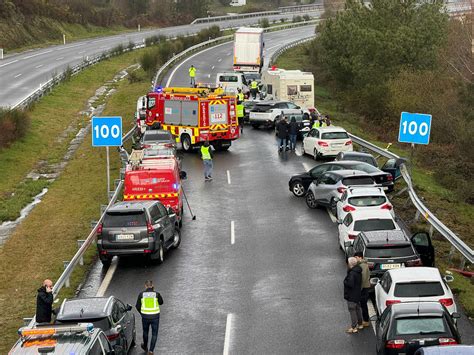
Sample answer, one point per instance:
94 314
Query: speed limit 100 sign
414 128
106 131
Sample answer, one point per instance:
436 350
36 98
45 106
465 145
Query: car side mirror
456 315
374 281
448 278
118 328
170 211
129 307
183 175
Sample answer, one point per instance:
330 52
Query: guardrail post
67 283
462 264
80 243
116 184
27 321
1 53
64 38
431 231
417 215
93 224
102 209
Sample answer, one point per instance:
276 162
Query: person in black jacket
282 132
293 129
352 293
44 302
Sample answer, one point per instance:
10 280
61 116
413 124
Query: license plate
390 266
335 145
385 187
125 237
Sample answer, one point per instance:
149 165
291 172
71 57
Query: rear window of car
368 225
420 325
358 180
298 118
228 79
389 252
335 135
162 136
366 168
367 201
101 323
418 289
364 159
128 219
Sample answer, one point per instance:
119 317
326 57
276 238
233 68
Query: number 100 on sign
414 128
106 131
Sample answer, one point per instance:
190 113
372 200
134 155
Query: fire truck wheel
186 142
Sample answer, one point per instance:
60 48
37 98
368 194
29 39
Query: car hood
301 175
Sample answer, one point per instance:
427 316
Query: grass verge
456 215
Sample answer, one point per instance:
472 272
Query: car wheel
334 207
186 143
255 125
134 339
105 260
298 189
311 200
302 149
316 155
159 256
176 237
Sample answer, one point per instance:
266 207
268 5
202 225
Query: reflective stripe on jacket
192 72
205 153
150 303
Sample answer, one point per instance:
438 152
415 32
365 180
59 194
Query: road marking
13 61
60 58
16 76
307 166
228 177
232 232
108 278
333 218
212 68
371 309
189 58
228 325
37 54
219 59
39 66
208 75
81 52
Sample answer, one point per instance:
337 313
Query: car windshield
389 251
357 180
124 219
368 225
367 201
367 168
228 79
418 289
157 137
420 325
334 135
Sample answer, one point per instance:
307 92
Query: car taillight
447 341
348 208
99 229
341 189
390 302
323 144
395 344
348 143
113 336
148 251
389 177
352 236
370 265
416 262
387 206
446 302
149 228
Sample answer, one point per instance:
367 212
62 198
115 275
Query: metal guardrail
462 247
165 67
281 50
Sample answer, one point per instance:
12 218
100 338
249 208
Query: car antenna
81 312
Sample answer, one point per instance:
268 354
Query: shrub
264 23
13 124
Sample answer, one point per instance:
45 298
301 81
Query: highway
21 74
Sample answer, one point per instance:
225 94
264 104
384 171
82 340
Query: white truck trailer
248 49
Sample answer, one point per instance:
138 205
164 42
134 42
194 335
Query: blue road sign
106 131
414 128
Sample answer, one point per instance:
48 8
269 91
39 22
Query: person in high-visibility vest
319 123
206 155
192 75
148 305
240 109
254 89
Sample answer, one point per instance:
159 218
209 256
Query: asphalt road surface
21 74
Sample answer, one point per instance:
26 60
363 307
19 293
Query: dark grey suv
107 313
138 227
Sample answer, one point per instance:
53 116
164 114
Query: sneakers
360 326
352 330
366 324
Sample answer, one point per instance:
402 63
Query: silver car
328 188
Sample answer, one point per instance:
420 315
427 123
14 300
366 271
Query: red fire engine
194 115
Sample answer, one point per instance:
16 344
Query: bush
306 17
264 23
13 125
297 18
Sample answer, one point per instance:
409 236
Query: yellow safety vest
206 155
254 85
240 110
192 72
240 96
150 303
317 124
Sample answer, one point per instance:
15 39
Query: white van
231 81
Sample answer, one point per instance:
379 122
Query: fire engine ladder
136 157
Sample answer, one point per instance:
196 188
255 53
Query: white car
364 221
413 284
264 113
326 141
362 198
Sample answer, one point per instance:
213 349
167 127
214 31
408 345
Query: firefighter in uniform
192 75
254 89
148 305
240 109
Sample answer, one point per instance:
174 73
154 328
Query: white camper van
289 85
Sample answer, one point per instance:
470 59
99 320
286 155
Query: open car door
423 246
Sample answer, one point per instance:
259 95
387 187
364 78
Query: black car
107 313
248 106
405 327
302 121
390 249
299 183
357 156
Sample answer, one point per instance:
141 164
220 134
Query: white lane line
60 58
39 66
307 166
208 75
371 309
37 54
228 177
232 232
108 278
187 59
219 59
16 76
229 53
81 52
228 326
333 218
212 68
13 61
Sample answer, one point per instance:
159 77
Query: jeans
282 143
154 324
292 141
207 168
193 81
364 297
355 312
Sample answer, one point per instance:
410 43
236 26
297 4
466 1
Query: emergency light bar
81 327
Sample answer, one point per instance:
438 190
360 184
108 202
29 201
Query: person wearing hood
364 296
293 129
352 292
44 302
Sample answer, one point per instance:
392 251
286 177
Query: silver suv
138 227
328 188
